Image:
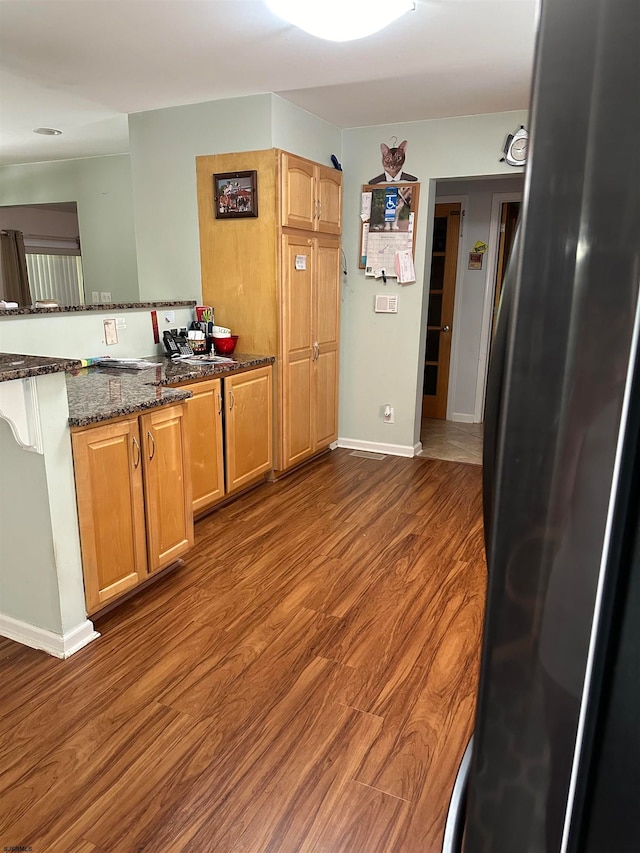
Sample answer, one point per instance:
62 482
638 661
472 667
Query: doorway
509 213
442 287
489 209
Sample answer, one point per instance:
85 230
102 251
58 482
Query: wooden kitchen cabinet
167 482
230 425
311 195
275 279
310 344
204 422
134 500
248 434
108 471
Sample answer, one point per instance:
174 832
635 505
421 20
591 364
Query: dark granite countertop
14 366
100 393
100 306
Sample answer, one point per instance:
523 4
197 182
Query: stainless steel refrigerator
555 760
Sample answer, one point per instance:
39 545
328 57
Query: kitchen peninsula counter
100 392
17 366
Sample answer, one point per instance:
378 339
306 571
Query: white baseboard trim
58 645
463 419
379 447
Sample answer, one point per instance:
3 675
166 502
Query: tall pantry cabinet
275 279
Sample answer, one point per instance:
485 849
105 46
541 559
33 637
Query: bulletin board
388 222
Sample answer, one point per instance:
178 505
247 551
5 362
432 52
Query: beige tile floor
453 441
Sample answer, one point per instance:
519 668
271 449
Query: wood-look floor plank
304 682
363 820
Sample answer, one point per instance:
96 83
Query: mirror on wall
46 239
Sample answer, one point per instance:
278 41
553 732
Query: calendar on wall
388 213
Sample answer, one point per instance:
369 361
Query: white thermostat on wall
386 304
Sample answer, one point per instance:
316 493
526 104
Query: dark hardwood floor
305 682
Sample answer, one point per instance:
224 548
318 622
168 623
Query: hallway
452 441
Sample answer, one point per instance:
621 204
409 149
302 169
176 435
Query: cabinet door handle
316 350
153 445
136 461
219 404
316 212
232 399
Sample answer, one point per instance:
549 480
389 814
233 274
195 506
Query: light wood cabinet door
167 480
298 194
298 271
108 472
329 196
326 323
248 426
204 426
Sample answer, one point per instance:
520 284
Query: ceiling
83 65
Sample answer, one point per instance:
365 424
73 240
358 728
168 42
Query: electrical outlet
389 415
95 297
105 296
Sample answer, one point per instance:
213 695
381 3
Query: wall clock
516 147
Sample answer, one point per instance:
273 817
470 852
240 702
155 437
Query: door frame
463 201
497 200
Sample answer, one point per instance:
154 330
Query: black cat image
392 163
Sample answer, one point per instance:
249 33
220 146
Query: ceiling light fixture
48 131
341 20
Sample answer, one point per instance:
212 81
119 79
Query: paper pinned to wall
365 207
405 270
412 218
364 243
388 221
381 251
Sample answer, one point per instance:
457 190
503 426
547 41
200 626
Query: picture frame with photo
235 194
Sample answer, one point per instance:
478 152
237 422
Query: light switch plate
105 296
110 332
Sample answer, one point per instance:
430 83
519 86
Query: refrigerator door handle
454 828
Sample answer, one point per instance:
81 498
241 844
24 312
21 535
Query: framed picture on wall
235 195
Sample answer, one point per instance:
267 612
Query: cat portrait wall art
392 163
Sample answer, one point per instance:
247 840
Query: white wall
28 577
81 334
302 133
471 287
164 145
101 187
381 356
41 582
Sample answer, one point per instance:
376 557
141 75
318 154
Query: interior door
442 287
508 220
